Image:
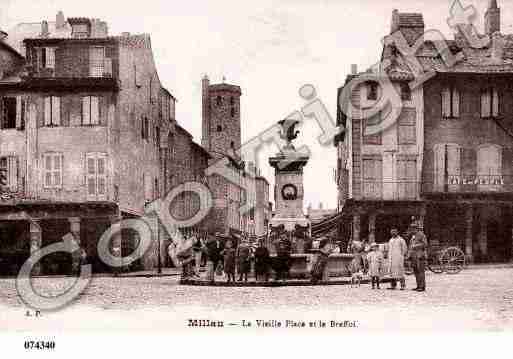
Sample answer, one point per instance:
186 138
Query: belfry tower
221 137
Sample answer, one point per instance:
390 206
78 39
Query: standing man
214 248
197 248
397 249
418 257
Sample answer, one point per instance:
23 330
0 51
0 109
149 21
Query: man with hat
418 256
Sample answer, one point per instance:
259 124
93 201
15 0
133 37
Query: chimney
44 28
492 18
395 21
411 25
60 22
354 69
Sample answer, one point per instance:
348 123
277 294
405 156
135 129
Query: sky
269 48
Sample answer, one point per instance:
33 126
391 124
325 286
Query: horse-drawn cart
442 259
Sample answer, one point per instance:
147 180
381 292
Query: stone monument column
288 167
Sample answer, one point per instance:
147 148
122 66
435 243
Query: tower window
232 101
233 112
219 128
219 100
232 144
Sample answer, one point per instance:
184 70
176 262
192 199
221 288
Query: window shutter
91 176
50 57
56 110
455 103
48 170
496 103
101 176
86 113
439 154
12 171
446 103
57 170
95 110
66 103
18 112
485 104
47 110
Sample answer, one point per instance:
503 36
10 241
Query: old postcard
293 167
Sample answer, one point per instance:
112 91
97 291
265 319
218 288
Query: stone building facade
448 159
85 123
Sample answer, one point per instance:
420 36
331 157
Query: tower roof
493 4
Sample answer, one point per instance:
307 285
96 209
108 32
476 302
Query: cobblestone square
475 299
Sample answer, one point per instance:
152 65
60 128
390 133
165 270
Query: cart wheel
453 260
435 265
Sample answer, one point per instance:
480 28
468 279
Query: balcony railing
68 69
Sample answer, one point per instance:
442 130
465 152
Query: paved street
473 299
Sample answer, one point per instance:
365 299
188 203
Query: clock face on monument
289 192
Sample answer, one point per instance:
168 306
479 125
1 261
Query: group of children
369 259
232 257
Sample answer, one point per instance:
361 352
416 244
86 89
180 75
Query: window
232 101
171 144
52 170
405 91
96 175
219 128
157 136
489 103
373 177
90 110
8 112
96 61
371 139
219 100
406 129
45 58
9 166
155 188
52 111
145 128
232 112
372 91
450 103
489 168
447 167
23 105
406 178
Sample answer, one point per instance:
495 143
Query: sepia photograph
284 169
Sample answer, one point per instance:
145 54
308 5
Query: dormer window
80 27
490 103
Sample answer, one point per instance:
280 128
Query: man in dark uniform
214 248
418 256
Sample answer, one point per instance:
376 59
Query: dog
356 278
